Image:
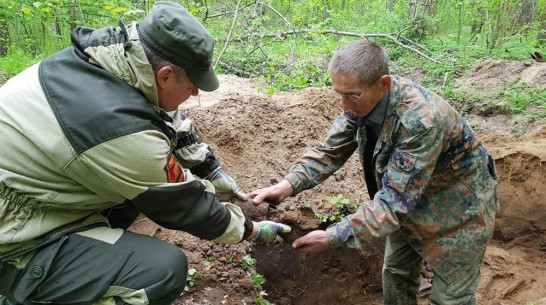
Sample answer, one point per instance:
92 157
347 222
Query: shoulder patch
174 170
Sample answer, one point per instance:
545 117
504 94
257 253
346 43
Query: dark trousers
98 266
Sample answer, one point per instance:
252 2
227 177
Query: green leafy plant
520 97
247 262
323 218
261 301
209 261
193 275
258 279
342 207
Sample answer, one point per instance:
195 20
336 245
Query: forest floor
258 138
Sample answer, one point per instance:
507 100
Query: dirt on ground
258 138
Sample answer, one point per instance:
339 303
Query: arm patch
174 171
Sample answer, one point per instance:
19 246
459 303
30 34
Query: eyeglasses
354 97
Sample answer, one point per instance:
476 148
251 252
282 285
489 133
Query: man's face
172 89
360 98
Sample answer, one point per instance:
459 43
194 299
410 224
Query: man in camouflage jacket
432 183
93 131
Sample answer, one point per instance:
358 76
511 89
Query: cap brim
204 80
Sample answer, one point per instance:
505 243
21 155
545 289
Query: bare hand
313 242
274 194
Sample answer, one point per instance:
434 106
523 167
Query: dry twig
229 34
343 33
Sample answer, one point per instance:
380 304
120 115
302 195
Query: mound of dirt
489 77
258 139
490 83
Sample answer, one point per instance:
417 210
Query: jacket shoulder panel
93 105
417 107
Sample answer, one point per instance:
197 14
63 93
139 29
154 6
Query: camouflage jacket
437 182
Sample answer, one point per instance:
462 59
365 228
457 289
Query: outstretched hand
312 242
268 232
274 194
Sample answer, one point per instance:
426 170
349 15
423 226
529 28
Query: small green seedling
342 207
248 262
258 279
323 218
209 261
193 274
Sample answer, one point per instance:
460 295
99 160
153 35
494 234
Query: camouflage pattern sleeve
322 161
405 180
190 151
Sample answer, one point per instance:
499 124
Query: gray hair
157 62
362 58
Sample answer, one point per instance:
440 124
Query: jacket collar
122 56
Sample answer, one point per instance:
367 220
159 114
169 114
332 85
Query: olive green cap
171 32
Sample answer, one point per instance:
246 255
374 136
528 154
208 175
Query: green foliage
209 261
247 262
192 278
258 279
261 301
17 60
292 61
342 206
520 96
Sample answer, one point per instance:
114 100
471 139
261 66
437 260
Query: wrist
255 230
334 240
212 173
286 189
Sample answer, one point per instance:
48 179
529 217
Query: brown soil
490 76
258 138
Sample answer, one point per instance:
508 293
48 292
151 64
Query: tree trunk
478 20
432 7
525 14
58 30
4 35
417 10
541 35
460 22
447 3
390 5
72 17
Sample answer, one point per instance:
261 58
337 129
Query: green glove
226 187
268 233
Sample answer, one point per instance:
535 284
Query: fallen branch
342 33
275 10
237 71
415 43
224 14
